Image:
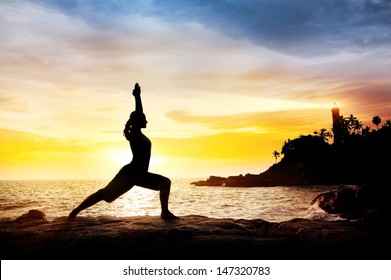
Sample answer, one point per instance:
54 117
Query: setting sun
120 158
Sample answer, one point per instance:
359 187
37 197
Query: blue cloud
296 27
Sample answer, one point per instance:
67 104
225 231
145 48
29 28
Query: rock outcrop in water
368 203
190 237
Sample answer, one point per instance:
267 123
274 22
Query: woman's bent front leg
163 184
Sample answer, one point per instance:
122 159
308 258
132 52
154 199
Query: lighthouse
336 123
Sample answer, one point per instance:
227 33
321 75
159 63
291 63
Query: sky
224 83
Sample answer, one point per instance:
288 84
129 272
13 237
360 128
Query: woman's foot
168 216
72 215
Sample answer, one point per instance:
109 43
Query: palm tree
387 123
357 125
276 155
324 134
352 123
365 131
376 120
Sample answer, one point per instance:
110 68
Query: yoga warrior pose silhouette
136 172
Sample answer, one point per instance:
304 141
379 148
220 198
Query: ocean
58 197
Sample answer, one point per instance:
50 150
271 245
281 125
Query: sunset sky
224 83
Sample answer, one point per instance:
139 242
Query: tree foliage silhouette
376 121
354 159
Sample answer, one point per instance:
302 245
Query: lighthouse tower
336 123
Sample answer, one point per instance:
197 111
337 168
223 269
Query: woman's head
138 119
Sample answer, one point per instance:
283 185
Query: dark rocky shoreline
362 233
32 236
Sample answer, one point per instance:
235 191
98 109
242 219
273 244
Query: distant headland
357 155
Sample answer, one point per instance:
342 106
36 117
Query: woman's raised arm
137 96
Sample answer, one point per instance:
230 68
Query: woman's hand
136 90
137 97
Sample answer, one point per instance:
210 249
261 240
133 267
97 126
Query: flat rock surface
191 237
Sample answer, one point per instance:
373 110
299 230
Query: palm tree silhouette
276 155
353 123
387 124
324 134
376 120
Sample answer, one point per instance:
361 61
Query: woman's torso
141 149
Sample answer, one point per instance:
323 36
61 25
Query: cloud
17 144
303 28
224 146
275 122
67 43
8 103
27 155
367 100
297 27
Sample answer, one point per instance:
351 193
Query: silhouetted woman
136 172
